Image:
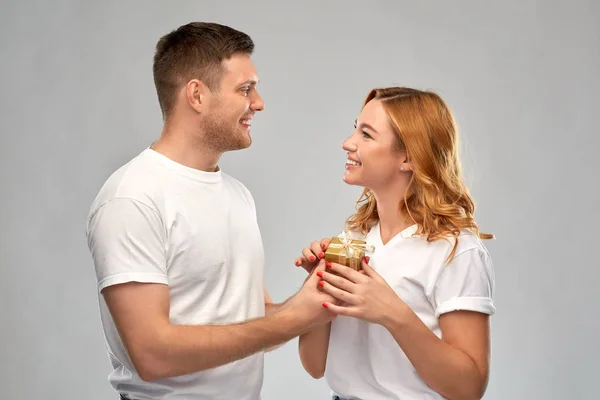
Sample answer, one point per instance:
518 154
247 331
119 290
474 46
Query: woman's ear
406 165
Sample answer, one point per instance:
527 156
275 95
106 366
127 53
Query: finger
368 270
346 272
325 243
340 310
339 294
337 281
309 255
315 247
318 267
304 263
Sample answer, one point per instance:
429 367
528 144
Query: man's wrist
288 316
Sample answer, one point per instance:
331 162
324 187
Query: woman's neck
391 220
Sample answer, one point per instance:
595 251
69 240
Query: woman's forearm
448 370
313 347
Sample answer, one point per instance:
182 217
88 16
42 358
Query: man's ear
195 94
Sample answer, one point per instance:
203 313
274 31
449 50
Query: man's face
230 109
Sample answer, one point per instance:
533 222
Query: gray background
78 101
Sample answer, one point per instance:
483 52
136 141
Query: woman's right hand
312 255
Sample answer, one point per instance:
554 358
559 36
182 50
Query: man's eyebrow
249 82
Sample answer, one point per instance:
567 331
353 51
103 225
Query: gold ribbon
351 248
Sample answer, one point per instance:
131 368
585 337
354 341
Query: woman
414 323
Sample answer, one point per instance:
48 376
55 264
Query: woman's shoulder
467 241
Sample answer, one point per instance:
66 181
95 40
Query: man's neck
175 144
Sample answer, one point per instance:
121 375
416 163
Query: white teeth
352 162
247 121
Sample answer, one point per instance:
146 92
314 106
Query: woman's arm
313 347
456 366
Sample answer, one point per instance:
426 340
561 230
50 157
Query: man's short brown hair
194 51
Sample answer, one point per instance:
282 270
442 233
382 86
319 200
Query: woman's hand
365 295
312 255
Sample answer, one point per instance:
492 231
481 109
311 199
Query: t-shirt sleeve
127 242
466 283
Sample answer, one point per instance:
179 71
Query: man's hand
311 255
307 304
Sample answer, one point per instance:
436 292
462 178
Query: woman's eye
366 135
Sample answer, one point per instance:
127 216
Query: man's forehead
240 69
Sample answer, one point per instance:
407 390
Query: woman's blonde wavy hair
436 199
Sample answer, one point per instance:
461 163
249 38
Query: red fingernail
325 305
321 255
298 263
321 283
320 274
366 258
323 247
312 258
328 264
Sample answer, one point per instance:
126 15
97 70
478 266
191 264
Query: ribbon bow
352 248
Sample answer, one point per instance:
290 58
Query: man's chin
240 145
245 143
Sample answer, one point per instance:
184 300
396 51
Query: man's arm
127 239
272 308
159 349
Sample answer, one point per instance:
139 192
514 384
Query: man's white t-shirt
158 221
364 361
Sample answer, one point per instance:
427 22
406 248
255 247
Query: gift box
347 251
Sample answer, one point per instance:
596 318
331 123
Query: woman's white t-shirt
364 361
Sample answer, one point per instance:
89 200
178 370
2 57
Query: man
175 242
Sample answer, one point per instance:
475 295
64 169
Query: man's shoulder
138 180
238 187
232 181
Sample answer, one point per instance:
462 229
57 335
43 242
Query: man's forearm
272 308
184 349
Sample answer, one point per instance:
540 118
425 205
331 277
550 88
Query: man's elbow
474 392
480 391
482 385
149 358
147 375
149 366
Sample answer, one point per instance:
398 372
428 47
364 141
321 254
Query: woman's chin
350 180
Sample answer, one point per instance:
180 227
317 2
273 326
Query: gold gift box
348 252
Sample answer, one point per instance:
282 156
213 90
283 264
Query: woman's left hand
365 295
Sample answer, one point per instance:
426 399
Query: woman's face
374 160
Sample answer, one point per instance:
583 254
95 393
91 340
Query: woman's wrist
398 316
